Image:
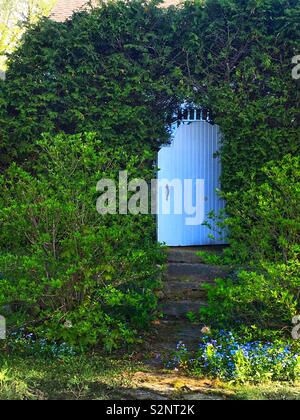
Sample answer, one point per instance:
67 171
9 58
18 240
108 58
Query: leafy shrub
264 227
70 274
264 221
268 297
229 357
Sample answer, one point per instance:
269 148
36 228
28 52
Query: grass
271 391
96 377
76 378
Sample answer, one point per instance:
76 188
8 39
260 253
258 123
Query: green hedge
123 69
109 71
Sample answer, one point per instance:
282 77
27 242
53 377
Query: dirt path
157 385
155 382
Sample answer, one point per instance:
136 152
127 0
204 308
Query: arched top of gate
190 112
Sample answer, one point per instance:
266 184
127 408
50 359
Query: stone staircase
186 275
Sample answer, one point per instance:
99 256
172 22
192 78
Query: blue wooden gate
189 171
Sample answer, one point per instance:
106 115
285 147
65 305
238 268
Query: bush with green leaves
68 273
265 239
267 297
264 222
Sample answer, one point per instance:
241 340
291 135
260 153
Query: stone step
196 273
183 256
189 255
183 289
179 309
176 290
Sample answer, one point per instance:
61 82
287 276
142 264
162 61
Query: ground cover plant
230 357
